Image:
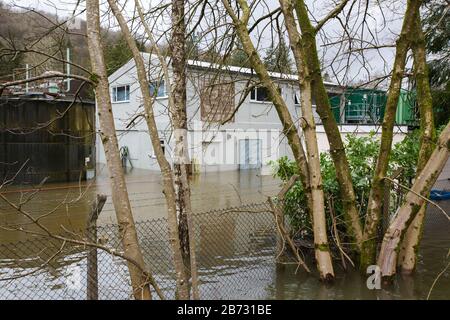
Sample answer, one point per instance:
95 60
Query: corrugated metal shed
54 137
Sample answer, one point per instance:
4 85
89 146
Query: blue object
439 194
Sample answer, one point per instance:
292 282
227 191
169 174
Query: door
249 154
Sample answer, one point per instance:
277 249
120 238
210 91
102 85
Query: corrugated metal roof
235 69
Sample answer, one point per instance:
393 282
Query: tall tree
117 53
121 202
415 198
436 24
410 243
368 254
277 58
192 46
309 128
238 57
179 119
175 184
337 150
240 22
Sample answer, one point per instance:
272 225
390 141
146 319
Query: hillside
24 35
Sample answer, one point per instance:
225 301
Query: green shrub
362 153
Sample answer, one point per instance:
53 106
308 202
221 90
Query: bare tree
109 139
307 41
369 249
179 116
407 256
309 166
416 197
309 128
168 181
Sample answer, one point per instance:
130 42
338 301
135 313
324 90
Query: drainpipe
68 68
27 76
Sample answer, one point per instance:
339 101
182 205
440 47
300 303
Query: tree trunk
368 254
410 244
166 171
181 160
91 257
289 127
121 202
337 150
322 250
387 260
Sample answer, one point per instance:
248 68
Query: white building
250 139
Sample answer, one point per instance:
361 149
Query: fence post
91 235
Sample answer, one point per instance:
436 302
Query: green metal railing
362 113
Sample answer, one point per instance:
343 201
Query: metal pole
27 76
68 68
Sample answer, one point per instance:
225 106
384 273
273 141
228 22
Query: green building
366 106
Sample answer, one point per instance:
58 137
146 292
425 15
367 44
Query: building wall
212 146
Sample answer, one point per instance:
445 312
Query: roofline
241 70
68 99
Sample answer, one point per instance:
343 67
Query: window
296 100
260 94
121 93
158 89
163 146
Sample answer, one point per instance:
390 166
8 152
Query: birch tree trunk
337 150
119 193
410 244
368 254
181 160
322 250
166 170
387 260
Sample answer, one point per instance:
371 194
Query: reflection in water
236 251
71 202
235 258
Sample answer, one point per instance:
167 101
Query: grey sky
375 62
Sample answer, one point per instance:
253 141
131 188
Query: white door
249 154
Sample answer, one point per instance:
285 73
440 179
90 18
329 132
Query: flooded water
433 258
236 249
70 203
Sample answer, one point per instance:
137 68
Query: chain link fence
236 253
235 256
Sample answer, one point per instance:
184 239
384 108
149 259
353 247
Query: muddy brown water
70 203
235 252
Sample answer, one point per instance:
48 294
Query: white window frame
255 89
114 93
156 82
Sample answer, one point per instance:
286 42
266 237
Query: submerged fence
236 253
235 256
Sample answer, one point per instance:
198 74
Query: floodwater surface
68 204
236 248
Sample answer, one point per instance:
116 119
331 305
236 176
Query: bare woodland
226 32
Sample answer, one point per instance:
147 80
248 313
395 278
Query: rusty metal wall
49 138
